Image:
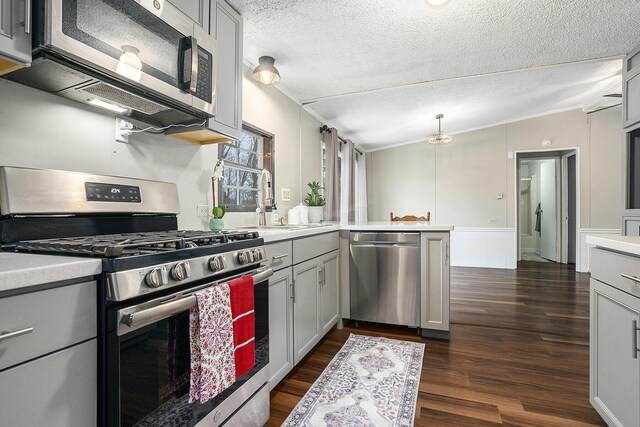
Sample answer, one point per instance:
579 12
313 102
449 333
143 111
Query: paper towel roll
293 216
304 213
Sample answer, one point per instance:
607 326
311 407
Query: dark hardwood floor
518 354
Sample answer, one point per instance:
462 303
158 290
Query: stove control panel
100 192
127 284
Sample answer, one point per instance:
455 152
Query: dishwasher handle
382 244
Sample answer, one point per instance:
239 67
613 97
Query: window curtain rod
325 128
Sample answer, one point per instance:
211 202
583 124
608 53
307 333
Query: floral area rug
371 382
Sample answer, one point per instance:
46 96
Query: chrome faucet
266 196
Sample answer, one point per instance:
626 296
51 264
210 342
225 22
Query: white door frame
516 197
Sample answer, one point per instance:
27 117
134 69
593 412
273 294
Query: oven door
148 361
147 43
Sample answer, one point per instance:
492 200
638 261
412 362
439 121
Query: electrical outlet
493 221
123 130
203 210
286 194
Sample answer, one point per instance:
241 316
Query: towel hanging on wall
539 219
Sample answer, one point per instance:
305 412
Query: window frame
268 162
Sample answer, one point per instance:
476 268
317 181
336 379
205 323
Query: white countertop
276 234
25 270
395 226
626 244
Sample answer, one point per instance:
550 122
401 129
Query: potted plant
315 202
216 223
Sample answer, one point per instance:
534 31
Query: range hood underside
56 75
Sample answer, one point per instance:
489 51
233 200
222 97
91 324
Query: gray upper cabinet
15 37
226 26
631 88
197 10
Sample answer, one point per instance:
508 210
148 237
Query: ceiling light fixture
436 3
439 137
266 73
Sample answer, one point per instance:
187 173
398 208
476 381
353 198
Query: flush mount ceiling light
436 3
439 137
266 73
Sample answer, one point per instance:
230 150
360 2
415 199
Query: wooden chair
410 218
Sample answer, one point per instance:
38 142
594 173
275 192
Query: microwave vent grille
123 98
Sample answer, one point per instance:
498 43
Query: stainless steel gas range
150 271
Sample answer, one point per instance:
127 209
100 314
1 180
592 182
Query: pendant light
439 137
266 73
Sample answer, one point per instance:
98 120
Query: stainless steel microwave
139 58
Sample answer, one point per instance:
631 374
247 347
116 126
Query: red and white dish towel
211 332
244 330
222 332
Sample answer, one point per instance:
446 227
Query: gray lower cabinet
280 325
329 276
48 356
15 39
303 298
59 389
435 278
227 27
615 362
306 284
614 383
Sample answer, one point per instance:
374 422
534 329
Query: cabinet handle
277 257
634 339
27 16
446 260
321 276
8 335
634 278
293 291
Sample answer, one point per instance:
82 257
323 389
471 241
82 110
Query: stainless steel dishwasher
385 277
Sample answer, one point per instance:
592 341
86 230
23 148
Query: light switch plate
286 194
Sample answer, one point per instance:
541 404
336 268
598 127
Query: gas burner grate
129 244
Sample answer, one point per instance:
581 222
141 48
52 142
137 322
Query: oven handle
154 314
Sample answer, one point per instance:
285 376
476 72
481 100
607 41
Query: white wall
460 182
41 130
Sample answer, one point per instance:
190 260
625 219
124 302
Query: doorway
547 200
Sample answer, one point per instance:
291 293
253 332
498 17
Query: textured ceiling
377 69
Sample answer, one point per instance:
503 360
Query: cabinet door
615 363
631 88
280 326
15 39
435 275
59 389
228 33
306 331
197 10
329 276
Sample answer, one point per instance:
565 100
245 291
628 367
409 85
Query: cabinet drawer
609 267
57 390
279 254
59 317
631 227
314 246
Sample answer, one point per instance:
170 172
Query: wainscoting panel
583 256
483 247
